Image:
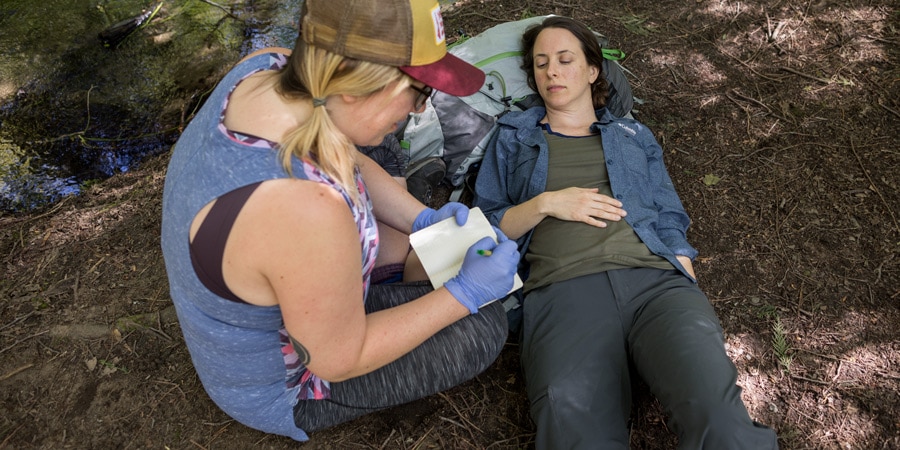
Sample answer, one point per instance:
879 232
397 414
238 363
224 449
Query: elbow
335 378
333 373
339 368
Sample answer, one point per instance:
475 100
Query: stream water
73 111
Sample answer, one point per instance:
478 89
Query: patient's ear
595 72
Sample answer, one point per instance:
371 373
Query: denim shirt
514 170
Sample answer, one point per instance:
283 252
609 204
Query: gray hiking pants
581 336
454 355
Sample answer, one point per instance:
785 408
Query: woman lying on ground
605 298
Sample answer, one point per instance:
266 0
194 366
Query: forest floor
780 122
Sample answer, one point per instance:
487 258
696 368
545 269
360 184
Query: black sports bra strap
208 247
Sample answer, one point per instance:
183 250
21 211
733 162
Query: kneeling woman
269 229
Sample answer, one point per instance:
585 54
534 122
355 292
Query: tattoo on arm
302 353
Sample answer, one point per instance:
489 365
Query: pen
484 252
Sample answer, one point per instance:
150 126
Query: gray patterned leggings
452 356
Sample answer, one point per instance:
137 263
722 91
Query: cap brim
450 75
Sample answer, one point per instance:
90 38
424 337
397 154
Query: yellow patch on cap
428 43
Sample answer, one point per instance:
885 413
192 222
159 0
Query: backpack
457 129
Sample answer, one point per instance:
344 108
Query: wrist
458 292
544 204
457 307
422 219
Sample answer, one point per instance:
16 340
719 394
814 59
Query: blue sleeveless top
241 352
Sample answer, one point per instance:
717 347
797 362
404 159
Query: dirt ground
781 126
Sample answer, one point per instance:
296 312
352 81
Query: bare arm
295 244
393 204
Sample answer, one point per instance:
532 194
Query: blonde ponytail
312 75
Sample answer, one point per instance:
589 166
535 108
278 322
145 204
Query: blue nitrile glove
430 217
482 279
501 238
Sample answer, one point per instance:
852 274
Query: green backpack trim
612 54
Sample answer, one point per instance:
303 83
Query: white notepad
442 246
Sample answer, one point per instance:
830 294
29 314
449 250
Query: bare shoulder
292 198
288 217
285 224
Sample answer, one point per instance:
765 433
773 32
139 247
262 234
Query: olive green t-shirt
562 250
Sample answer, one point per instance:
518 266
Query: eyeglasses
422 96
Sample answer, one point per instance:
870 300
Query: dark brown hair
589 45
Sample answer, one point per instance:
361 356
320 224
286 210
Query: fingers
504 248
606 211
609 205
485 243
590 207
461 212
507 247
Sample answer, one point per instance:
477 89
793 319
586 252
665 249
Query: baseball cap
408 34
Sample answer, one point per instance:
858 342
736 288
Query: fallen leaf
710 179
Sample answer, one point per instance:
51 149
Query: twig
222 8
840 361
447 419
159 324
506 13
461 416
872 183
160 333
805 415
503 442
419 442
894 112
174 386
10 435
811 380
747 65
797 72
763 105
31 219
219 432
881 39
97 264
385 443
14 372
17 320
23 340
75 288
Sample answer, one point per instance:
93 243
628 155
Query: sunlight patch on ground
689 67
785 38
761 380
81 225
6 90
864 47
728 9
115 204
755 375
851 375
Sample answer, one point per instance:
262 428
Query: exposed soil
781 125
